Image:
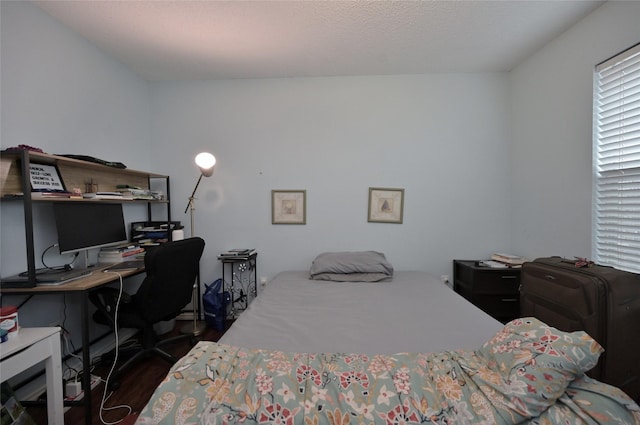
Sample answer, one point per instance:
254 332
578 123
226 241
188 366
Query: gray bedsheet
414 312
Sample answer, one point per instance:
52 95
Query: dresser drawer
496 281
502 307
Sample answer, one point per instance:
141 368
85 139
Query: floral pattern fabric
527 373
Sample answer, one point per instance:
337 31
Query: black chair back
171 270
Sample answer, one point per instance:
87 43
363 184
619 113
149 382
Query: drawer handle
509 277
550 277
511 300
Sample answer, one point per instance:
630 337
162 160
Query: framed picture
45 178
385 205
288 207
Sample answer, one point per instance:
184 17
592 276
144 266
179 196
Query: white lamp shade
205 161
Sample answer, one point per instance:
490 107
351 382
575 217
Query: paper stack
508 260
119 254
238 253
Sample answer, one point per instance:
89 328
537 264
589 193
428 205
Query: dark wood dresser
494 290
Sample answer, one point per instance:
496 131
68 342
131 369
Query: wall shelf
15 185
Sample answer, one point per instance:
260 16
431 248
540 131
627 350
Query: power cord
105 397
72 380
46 268
66 334
63 267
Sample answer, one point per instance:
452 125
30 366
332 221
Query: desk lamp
205 162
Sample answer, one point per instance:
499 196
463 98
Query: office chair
171 271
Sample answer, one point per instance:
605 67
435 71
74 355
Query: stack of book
120 253
103 195
136 193
237 254
55 194
505 260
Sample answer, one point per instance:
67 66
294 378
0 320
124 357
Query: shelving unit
15 186
239 277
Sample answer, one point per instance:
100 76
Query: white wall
551 97
62 94
443 138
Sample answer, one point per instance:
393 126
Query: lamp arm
193 194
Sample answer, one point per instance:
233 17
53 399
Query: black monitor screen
88 225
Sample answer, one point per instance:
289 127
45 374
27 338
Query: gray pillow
352 277
361 266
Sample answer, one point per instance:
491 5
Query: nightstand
239 278
495 291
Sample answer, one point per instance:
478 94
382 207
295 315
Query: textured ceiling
184 39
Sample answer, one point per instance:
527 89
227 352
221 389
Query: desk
81 287
30 347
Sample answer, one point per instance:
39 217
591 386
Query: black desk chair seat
171 271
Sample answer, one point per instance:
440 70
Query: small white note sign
45 178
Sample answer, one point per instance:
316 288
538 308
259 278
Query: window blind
616 146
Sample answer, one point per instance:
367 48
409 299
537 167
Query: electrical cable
72 372
105 397
66 337
64 320
63 267
46 268
24 301
70 350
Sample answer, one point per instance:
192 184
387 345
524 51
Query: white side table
30 347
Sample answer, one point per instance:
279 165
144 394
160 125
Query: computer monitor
85 225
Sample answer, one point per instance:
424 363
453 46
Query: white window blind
616 148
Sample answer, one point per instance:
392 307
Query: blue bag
215 304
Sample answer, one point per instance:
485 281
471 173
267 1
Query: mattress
414 312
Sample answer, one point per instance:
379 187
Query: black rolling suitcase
602 301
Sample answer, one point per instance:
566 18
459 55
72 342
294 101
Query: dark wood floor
136 386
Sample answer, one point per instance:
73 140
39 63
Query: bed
401 348
295 313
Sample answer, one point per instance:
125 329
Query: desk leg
53 367
86 357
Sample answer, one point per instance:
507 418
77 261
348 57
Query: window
616 161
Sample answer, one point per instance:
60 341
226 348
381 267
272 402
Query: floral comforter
527 373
